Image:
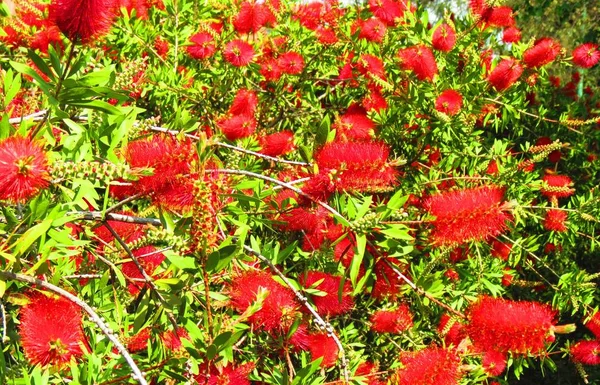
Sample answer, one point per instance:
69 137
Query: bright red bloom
586 352
374 100
558 186
161 46
238 53
372 30
139 6
172 339
449 102
555 220
237 127
472 214
277 144
420 60
270 70
499 16
329 304
23 169
451 330
543 52
494 363
46 37
321 345
149 259
228 375
371 66
444 38
392 321
506 73
291 63
252 17
500 250
245 103
326 35
278 304
518 327
139 341
586 55
511 35
354 125
594 324
204 46
388 10
51 330
387 283
82 20
430 366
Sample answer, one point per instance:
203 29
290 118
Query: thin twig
137 373
3 310
123 202
98 216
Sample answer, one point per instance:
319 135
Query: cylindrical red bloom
149 258
252 17
558 186
555 220
472 214
500 250
51 330
586 352
494 363
204 46
499 16
244 103
232 375
594 324
371 66
82 20
329 304
518 327
237 127
511 35
452 330
354 125
449 102
373 30
238 53
277 144
172 339
420 60
321 345
430 366
506 73
392 321
444 38
586 55
543 52
291 63
23 169
387 10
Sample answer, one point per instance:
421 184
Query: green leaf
98 105
32 235
397 231
361 244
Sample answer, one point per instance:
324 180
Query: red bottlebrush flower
472 214
371 66
172 339
329 304
449 102
237 127
494 363
543 52
238 53
420 60
291 63
586 55
278 304
139 6
270 70
430 366
46 37
500 250
229 375
373 30
321 345
511 35
594 324
138 342
444 38
326 35
558 186
392 321
244 103
277 144
506 73
23 169
387 284
518 327
354 125
374 100
387 11
252 17
161 46
451 330
555 220
51 330
203 46
499 16
357 166
586 352
82 20
149 259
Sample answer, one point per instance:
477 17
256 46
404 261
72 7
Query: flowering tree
280 193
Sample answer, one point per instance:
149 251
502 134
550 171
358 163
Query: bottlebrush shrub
269 192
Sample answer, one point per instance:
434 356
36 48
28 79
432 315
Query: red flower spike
472 214
511 35
586 352
252 17
557 186
238 53
139 6
586 55
392 321
371 66
291 63
228 375
387 284
329 304
149 259
354 125
506 73
203 46
499 16
420 60
321 345
373 30
172 339
388 11
444 38
543 52
138 342
244 103
374 100
237 127
449 102
82 20
593 324
500 250
23 169
51 330
277 144
555 220
518 327
451 330
430 366
494 363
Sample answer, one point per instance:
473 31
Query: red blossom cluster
429 366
